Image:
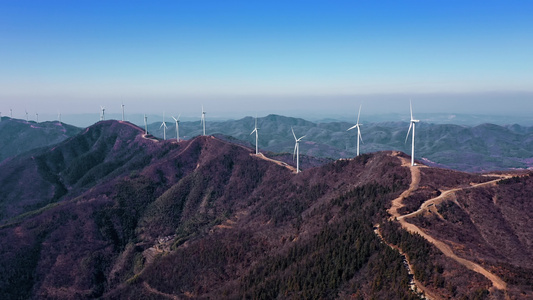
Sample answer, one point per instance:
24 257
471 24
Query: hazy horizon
241 58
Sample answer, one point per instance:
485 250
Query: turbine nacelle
296 139
353 127
177 120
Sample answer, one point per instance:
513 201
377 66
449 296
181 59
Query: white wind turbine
37 117
202 120
357 125
177 127
145 124
297 151
11 113
122 111
26 115
164 125
412 124
256 136
102 115
59 116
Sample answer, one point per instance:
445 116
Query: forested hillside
113 213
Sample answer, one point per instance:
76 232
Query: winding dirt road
397 203
280 163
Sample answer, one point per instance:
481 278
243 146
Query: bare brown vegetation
112 214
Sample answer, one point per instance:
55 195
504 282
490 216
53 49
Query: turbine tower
357 125
177 127
297 151
59 116
164 125
256 136
145 124
202 120
102 116
26 115
122 111
412 124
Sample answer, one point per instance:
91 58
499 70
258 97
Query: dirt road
277 162
444 248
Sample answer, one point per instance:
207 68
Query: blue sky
241 56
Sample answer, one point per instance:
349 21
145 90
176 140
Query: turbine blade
294 153
174 119
178 117
359 134
294 134
359 113
411 108
356 125
253 131
409 131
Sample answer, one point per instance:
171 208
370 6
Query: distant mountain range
485 147
115 214
84 120
482 148
18 136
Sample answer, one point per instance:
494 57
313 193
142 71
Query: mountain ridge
205 217
482 148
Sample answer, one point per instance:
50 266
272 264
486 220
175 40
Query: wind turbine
357 125
59 116
37 117
256 136
145 124
297 150
412 124
202 120
11 113
164 125
102 116
177 127
122 111
26 115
